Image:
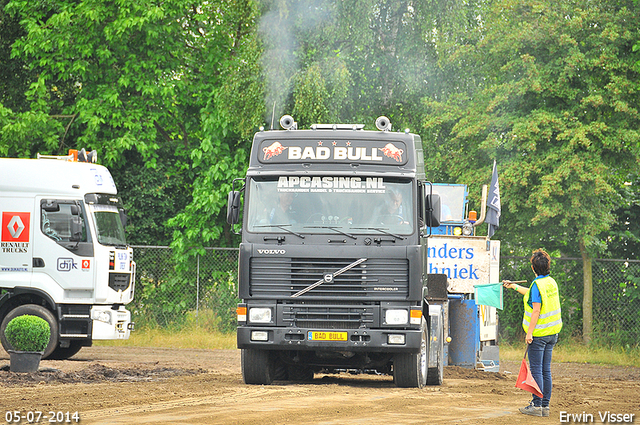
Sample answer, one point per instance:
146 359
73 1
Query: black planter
25 361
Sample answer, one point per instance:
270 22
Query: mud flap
436 345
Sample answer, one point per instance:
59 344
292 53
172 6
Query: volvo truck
333 264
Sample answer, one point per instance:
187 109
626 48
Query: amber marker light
242 314
416 317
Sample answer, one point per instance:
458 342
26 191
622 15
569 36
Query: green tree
556 104
624 238
146 83
352 61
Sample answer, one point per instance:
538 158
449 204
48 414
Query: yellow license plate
326 336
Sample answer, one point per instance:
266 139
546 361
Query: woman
542 322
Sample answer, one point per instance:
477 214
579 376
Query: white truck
63 254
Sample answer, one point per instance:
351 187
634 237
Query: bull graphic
272 150
390 150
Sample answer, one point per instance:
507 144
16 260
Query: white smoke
280 30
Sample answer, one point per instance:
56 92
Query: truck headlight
101 316
396 317
260 315
467 229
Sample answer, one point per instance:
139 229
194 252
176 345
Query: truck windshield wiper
377 229
283 227
335 229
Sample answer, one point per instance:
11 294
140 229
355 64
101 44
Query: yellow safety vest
550 319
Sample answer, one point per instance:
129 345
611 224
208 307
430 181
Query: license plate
326 336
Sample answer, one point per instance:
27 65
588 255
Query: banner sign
336 151
466 261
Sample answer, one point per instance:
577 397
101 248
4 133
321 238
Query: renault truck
63 253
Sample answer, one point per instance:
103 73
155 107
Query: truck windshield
330 205
108 225
106 211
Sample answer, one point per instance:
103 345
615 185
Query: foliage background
169 93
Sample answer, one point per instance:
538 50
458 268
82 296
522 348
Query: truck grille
320 316
375 278
119 281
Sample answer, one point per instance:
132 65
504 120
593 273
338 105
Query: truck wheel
410 370
32 310
258 366
435 374
61 353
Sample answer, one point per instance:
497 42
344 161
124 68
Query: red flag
525 379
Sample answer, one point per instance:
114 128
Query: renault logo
16 226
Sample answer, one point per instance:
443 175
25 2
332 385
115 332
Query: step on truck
63 254
333 263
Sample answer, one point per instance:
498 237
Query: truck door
62 247
16 241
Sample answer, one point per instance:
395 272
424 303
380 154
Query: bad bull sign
275 151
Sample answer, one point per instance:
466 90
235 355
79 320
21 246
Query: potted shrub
28 336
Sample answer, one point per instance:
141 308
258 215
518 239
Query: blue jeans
540 351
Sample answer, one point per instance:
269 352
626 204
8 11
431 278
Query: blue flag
493 211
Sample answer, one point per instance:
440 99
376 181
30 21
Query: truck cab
333 259
464 261
63 253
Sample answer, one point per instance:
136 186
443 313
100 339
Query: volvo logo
328 278
272 251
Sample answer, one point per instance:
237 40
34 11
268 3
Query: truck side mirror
233 207
433 207
76 229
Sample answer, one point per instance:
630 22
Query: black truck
333 260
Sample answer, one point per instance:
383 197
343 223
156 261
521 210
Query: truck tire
32 310
61 353
435 374
258 366
410 370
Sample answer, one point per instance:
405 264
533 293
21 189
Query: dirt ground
122 385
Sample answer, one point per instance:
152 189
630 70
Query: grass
577 352
204 338
167 338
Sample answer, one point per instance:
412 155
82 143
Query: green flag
489 294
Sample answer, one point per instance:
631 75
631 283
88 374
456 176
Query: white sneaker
531 410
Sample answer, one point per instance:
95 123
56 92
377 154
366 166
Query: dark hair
541 262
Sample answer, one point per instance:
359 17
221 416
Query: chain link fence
172 294
203 292
616 298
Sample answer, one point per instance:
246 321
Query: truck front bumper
363 340
111 324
